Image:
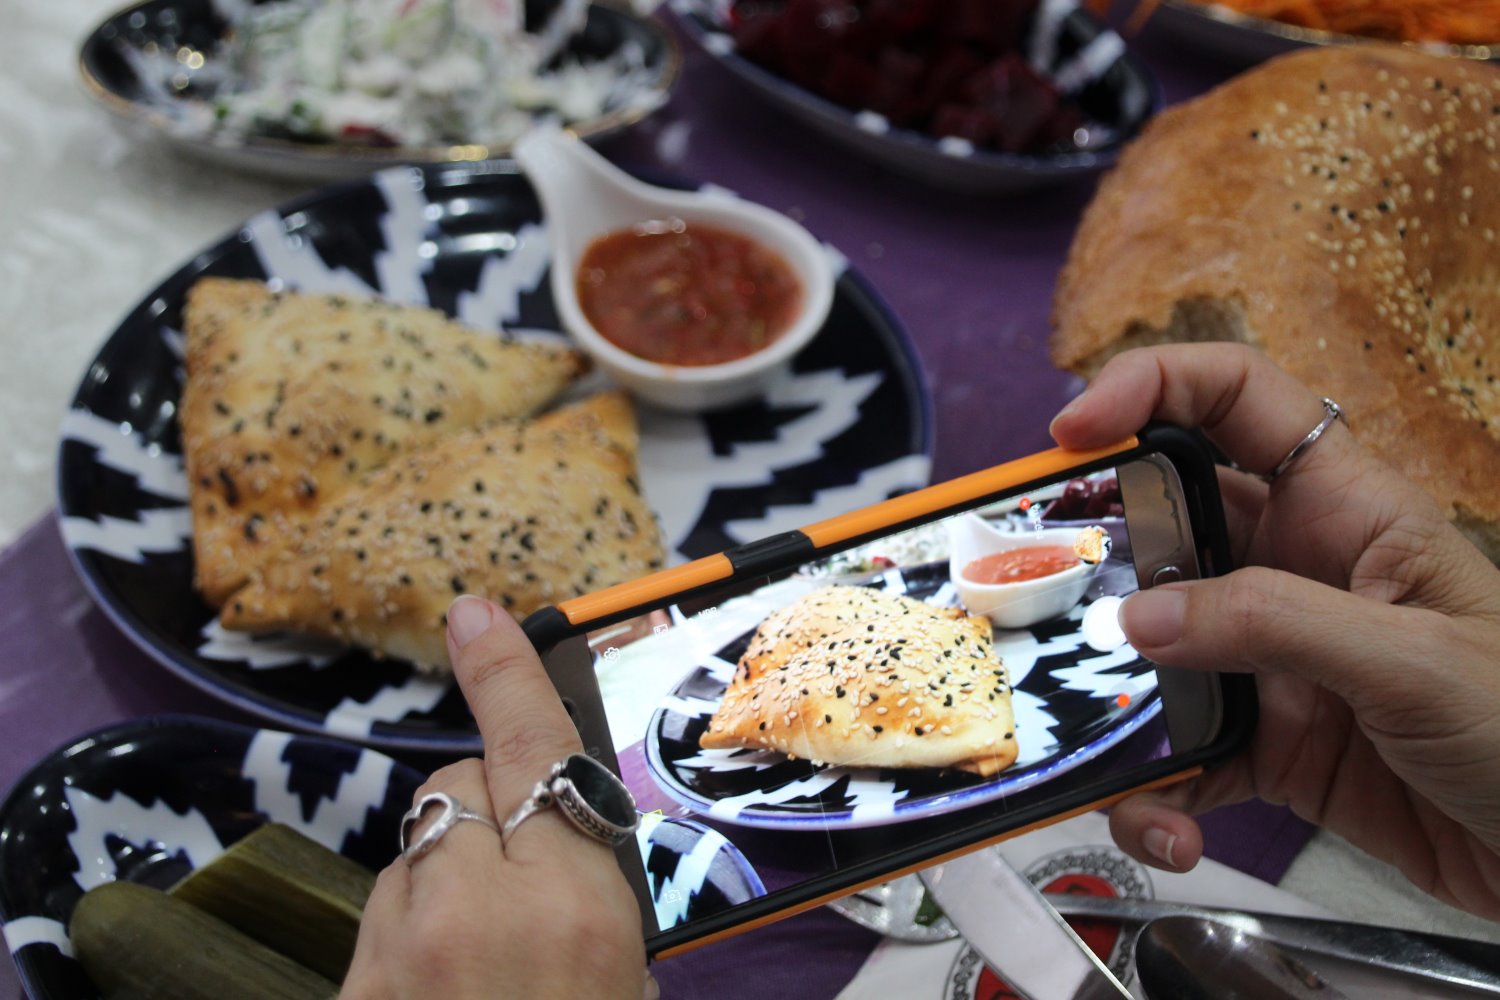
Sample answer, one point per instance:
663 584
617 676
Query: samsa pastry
808 621
892 682
527 514
289 398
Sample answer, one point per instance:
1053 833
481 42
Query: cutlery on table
899 909
1010 924
1187 958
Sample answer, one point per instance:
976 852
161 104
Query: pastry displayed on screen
855 676
804 623
289 398
526 513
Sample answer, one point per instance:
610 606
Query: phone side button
775 552
1167 574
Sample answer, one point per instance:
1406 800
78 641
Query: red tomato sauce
686 295
1021 564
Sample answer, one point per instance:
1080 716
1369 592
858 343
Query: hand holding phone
829 707
1372 627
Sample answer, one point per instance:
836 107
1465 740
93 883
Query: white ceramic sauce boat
584 197
1013 605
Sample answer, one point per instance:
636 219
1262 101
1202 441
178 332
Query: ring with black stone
593 799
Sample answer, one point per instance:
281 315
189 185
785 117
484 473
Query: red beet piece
898 82
948 70
903 19
756 29
811 32
1020 99
849 81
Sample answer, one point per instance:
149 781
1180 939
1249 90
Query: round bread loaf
1339 209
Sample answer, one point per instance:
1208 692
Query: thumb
1268 621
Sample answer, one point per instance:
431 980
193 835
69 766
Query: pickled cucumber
288 892
138 943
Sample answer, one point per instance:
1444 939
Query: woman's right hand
1372 627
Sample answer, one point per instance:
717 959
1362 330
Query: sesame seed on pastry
290 398
889 682
526 513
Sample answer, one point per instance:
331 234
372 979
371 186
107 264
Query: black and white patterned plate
1067 699
1064 42
151 800
850 426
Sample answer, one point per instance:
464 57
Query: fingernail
651 991
469 617
1069 409
1153 618
1159 843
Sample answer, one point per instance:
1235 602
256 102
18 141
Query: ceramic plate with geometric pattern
849 426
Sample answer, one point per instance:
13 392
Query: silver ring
1331 412
454 813
588 793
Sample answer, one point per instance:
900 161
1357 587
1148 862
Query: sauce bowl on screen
1014 605
585 197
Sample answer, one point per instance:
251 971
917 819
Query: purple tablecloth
971 279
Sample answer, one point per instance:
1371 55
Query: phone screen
818 721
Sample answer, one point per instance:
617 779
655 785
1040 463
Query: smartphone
828 708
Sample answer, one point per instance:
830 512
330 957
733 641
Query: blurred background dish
1013 96
179 69
1221 31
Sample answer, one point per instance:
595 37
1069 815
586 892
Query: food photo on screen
820 717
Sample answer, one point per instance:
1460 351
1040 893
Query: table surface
94 219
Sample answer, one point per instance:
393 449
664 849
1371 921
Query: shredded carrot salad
1457 22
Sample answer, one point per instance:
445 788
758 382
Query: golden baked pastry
291 397
525 513
1092 544
1338 208
891 682
814 617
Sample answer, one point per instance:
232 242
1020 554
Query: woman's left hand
549 914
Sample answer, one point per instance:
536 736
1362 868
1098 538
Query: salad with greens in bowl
376 80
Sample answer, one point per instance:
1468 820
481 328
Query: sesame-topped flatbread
895 683
525 513
290 398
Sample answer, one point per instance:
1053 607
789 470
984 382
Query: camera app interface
933 678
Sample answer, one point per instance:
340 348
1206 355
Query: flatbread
896 683
526 513
289 398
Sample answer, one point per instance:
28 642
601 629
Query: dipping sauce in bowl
1019 565
686 295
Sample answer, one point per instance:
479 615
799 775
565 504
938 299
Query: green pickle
138 943
289 893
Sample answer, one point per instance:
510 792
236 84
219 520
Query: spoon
584 197
1187 958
